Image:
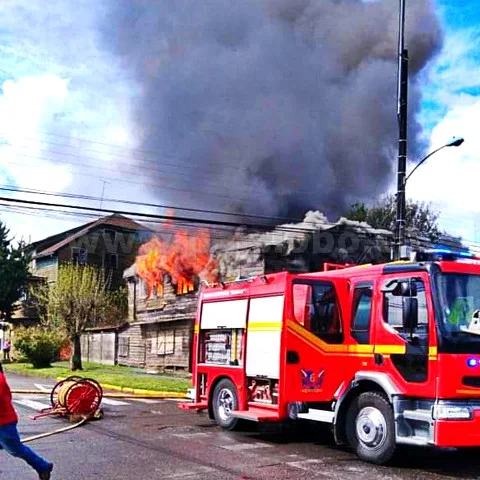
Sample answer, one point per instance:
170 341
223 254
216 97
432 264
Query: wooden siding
98 243
247 262
168 346
46 268
134 356
166 328
99 347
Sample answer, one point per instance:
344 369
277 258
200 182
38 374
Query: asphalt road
155 440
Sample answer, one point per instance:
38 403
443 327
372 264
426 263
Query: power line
11 188
177 219
131 182
273 233
114 156
171 218
464 240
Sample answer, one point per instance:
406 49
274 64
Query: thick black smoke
270 106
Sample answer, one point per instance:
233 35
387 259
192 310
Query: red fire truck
384 354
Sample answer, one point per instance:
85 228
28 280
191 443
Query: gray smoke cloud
270 107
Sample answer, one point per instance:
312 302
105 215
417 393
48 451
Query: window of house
123 346
163 343
142 288
110 261
25 295
79 256
316 307
361 313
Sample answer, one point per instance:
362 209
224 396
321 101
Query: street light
453 143
402 251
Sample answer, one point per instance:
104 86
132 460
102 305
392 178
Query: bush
40 346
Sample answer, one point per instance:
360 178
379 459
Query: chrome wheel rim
225 403
371 427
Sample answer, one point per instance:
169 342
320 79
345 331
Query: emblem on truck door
311 380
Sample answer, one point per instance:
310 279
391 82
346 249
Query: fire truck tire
225 399
370 427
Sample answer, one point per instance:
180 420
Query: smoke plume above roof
270 107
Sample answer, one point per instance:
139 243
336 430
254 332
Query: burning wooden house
162 296
164 281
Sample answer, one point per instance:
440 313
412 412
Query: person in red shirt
9 437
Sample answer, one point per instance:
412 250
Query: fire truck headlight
448 412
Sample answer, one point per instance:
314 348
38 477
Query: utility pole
402 113
103 192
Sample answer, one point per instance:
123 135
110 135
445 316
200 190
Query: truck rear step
192 406
256 415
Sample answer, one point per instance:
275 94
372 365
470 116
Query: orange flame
185 258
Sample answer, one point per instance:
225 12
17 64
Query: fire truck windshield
459 316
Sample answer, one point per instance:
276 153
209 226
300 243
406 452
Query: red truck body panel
264 344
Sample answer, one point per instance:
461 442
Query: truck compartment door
263 336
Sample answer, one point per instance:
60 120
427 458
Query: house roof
113 328
114 220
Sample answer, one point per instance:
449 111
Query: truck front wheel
225 399
370 427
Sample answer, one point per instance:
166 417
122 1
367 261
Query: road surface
154 440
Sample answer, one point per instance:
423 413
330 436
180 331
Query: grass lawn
120 376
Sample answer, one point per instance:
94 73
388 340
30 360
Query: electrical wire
277 219
201 221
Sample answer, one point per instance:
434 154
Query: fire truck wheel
370 426
225 399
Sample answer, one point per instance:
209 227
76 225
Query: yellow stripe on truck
264 326
355 349
390 349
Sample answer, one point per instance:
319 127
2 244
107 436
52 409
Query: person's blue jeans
10 441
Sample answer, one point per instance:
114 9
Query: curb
139 391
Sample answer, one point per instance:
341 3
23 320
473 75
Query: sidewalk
123 379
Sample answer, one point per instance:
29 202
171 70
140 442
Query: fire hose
55 432
126 396
76 398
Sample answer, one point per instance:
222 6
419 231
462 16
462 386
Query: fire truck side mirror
409 288
403 288
410 313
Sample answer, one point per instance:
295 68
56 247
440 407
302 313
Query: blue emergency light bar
444 254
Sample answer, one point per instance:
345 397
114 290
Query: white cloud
452 108
26 106
449 179
57 87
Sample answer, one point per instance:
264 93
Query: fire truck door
404 341
314 343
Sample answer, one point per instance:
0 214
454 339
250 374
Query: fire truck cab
384 354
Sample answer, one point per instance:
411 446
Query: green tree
14 272
79 299
421 219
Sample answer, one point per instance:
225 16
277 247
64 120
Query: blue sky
461 20
57 85
451 107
